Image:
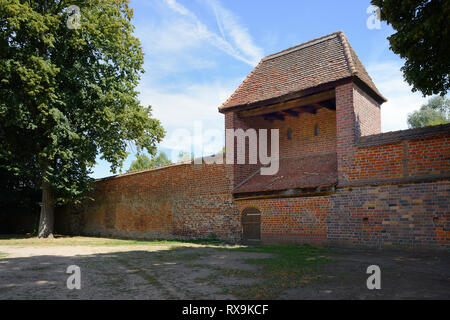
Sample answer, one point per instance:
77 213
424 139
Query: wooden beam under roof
329 104
309 109
296 103
292 113
274 116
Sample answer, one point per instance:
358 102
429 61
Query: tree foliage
436 111
422 38
143 162
69 95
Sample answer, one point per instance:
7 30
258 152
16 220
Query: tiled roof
309 65
295 173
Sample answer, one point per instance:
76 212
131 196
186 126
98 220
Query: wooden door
251 226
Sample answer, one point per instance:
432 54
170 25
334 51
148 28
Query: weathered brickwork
356 115
410 215
239 172
367 113
177 202
404 160
292 220
394 191
341 181
302 141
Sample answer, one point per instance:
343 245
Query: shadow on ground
404 275
164 272
174 273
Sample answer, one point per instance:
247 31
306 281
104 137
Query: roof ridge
301 46
354 60
347 52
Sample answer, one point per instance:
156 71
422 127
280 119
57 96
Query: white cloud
240 46
181 110
177 45
189 103
401 100
173 46
178 7
240 38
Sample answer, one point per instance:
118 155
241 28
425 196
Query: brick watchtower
321 98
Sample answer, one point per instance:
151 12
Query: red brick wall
404 160
367 113
409 215
356 115
302 143
292 220
181 201
239 172
378 211
393 188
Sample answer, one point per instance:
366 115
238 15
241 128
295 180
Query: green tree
436 111
67 93
143 162
422 38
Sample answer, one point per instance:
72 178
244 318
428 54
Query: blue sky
197 52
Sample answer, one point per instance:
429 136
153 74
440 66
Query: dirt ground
190 271
118 272
404 276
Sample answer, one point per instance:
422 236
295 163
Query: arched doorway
251 226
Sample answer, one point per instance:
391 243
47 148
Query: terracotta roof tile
294 173
311 64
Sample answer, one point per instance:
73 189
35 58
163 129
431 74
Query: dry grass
92 241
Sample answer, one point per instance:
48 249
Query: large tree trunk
46 220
